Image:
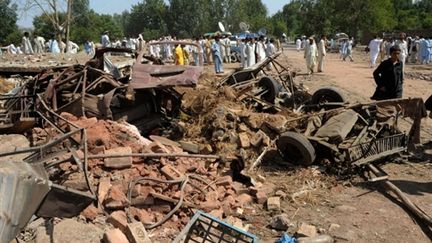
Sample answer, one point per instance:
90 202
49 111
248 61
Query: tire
296 148
327 94
272 87
233 58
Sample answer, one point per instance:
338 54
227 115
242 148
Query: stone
210 205
345 208
104 187
69 230
280 193
333 227
115 236
244 140
316 239
244 199
206 149
118 219
190 147
118 163
136 233
171 173
273 203
280 222
242 128
261 197
306 230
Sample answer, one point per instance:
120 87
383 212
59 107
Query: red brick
170 172
116 198
104 186
136 233
118 163
115 236
118 219
261 197
239 188
91 212
210 205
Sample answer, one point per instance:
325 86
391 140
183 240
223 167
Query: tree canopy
181 18
8 26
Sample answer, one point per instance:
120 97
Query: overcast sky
118 6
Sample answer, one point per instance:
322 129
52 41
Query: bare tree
52 9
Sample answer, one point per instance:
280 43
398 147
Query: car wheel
233 58
296 148
327 94
271 86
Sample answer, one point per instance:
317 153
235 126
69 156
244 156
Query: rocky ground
282 197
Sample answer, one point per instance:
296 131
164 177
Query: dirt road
367 215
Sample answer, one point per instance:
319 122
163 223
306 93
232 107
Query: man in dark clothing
389 77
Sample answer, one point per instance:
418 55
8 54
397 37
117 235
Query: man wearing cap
389 77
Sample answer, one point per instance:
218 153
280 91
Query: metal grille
376 149
204 228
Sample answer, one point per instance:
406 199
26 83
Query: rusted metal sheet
146 76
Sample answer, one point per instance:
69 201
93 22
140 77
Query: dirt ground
354 210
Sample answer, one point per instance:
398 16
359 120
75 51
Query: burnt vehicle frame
278 91
142 94
354 135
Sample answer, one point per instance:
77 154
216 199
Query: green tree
148 18
8 21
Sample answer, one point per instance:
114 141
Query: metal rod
154 155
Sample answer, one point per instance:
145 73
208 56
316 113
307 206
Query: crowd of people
214 50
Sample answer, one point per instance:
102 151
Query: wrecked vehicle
269 92
141 94
353 135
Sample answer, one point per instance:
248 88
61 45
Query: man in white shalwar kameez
298 44
250 52
242 47
374 48
321 53
403 45
26 44
310 53
260 49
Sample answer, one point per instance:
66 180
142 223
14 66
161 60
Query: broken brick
261 197
116 198
170 172
239 188
244 199
136 233
141 215
118 163
115 236
210 205
118 219
104 186
273 203
244 140
90 213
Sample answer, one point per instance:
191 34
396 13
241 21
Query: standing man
260 49
208 50
270 51
321 53
105 41
389 77
298 44
414 48
227 43
403 46
26 44
39 43
179 56
250 52
89 48
374 48
310 54
242 47
217 55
